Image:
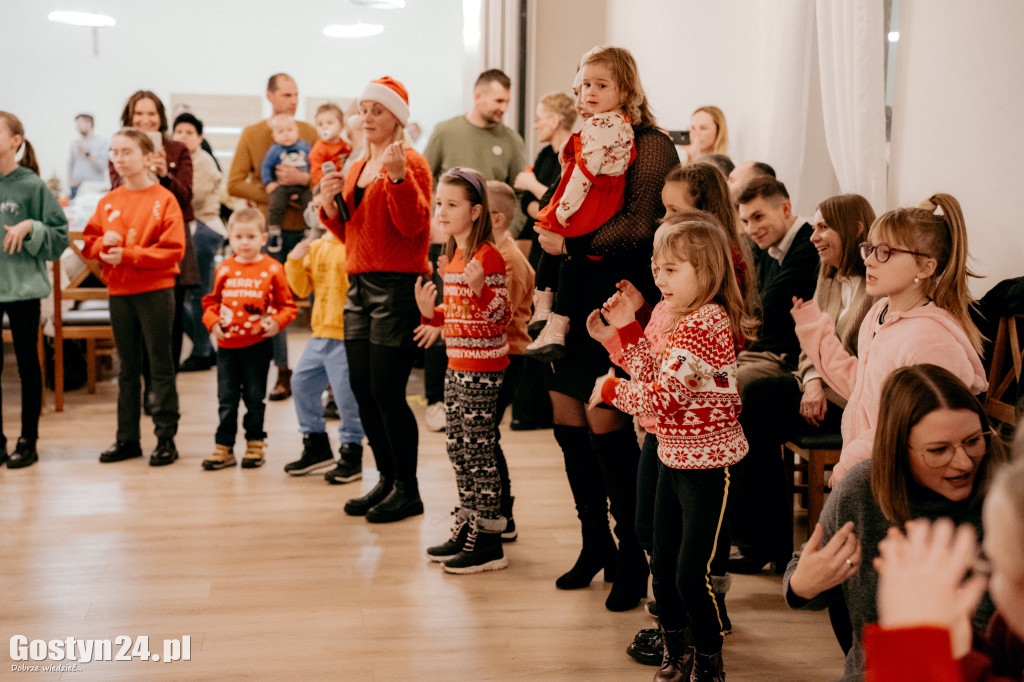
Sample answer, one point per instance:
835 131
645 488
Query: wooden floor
271 580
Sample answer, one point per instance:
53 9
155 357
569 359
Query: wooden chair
8 337
820 452
91 322
1004 374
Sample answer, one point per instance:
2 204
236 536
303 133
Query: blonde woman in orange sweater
139 234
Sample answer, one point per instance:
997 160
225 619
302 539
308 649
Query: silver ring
849 563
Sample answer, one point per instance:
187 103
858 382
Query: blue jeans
289 238
207 243
242 375
325 362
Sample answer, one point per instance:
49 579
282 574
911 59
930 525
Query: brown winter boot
253 456
283 389
220 459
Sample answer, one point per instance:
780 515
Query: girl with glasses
915 260
933 458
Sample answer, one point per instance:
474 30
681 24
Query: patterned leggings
470 403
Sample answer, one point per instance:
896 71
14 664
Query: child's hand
271 186
112 256
111 238
631 294
299 251
442 263
16 235
218 332
595 397
598 330
426 335
475 276
270 326
618 311
800 304
425 293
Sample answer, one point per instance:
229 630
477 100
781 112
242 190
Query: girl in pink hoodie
916 261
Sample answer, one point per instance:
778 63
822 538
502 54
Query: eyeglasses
883 251
939 456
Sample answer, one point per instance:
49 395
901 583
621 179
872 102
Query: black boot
618 454
482 552
350 464
358 506
451 547
121 450
708 668
677 658
316 456
648 647
164 453
402 502
24 454
510 533
591 506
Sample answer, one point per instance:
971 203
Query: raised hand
618 311
474 273
598 330
631 294
823 567
393 161
425 293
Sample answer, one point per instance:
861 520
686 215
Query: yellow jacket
322 271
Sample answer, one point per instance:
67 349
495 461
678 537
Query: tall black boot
619 455
587 487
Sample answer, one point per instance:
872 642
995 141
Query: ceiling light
894 36
91 19
353 30
380 4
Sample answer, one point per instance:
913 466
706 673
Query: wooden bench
818 453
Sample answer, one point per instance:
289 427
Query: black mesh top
634 225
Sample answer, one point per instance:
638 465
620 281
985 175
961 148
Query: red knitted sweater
474 326
390 229
690 389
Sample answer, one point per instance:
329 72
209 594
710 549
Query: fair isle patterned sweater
689 389
474 326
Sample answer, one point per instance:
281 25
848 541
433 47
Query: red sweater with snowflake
243 295
474 326
689 389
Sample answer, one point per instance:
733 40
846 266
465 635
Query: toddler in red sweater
249 304
330 124
475 315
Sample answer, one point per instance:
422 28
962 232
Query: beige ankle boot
220 459
543 300
253 456
550 345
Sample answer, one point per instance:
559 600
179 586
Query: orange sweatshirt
519 275
474 326
153 233
244 294
335 152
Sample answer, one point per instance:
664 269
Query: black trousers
761 510
24 320
145 321
242 375
689 530
378 375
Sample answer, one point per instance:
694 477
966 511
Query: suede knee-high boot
619 454
588 493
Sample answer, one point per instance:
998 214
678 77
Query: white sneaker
435 417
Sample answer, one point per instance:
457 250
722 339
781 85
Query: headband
471 178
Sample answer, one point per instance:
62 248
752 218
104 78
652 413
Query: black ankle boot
402 502
24 454
631 572
358 506
708 668
677 658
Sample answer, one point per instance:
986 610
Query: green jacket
23 275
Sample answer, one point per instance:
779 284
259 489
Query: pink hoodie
923 335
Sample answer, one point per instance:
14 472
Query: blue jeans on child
207 242
324 362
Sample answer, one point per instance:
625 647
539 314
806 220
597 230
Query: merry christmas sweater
689 389
243 295
475 326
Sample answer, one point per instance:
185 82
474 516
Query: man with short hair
739 176
477 140
88 159
244 182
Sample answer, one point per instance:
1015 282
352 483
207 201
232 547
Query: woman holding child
599 444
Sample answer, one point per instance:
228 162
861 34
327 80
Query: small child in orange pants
250 303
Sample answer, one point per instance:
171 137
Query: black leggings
378 375
24 320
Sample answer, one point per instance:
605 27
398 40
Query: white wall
957 122
221 47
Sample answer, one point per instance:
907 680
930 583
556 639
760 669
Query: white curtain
851 63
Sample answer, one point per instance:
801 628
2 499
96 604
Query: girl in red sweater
689 389
474 315
139 234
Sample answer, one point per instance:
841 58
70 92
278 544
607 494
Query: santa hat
391 94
